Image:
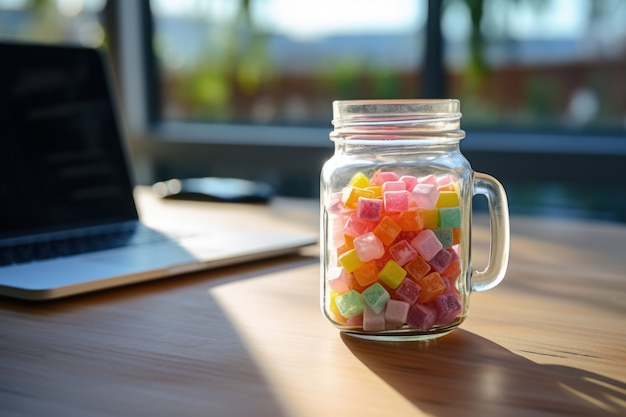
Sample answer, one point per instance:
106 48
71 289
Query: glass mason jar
396 206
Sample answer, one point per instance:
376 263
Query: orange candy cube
366 274
432 285
387 230
417 268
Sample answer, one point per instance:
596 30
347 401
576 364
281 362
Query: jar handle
496 267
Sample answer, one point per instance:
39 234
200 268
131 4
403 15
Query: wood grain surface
251 340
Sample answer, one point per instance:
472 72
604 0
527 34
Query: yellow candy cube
360 181
448 199
392 274
350 260
431 218
350 197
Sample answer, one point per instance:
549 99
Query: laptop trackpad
159 255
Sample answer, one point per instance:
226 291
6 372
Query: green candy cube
376 297
350 304
449 217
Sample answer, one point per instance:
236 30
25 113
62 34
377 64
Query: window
549 64
281 62
58 21
243 88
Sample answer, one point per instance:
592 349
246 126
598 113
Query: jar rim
430 117
384 111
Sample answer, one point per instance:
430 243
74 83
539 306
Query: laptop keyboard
109 238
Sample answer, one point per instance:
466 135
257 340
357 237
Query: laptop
68 220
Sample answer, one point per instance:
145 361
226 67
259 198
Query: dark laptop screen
62 163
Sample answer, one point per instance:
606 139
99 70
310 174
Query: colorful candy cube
421 316
368 247
417 268
392 274
356 321
427 179
445 182
409 180
394 186
449 217
350 260
408 291
380 177
366 274
448 199
387 230
411 220
445 236
431 218
396 201
352 194
376 297
432 285
350 304
454 268
355 227
376 189
425 195
441 260
373 321
359 180
395 313
427 244
402 252
339 280
448 308
369 209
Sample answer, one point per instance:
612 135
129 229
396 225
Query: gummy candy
395 252
373 321
396 201
402 252
408 291
427 244
368 247
396 313
392 274
376 297
350 304
426 195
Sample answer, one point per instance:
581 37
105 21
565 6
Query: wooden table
251 341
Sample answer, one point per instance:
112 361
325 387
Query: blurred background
243 88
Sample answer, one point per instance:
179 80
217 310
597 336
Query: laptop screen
62 162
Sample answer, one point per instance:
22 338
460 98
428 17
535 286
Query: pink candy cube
427 244
408 291
402 252
425 195
379 178
394 186
368 247
339 280
396 201
444 180
448 308
409 180
373 322
428 179
421 316
441 260
355 227
369 208
395 313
